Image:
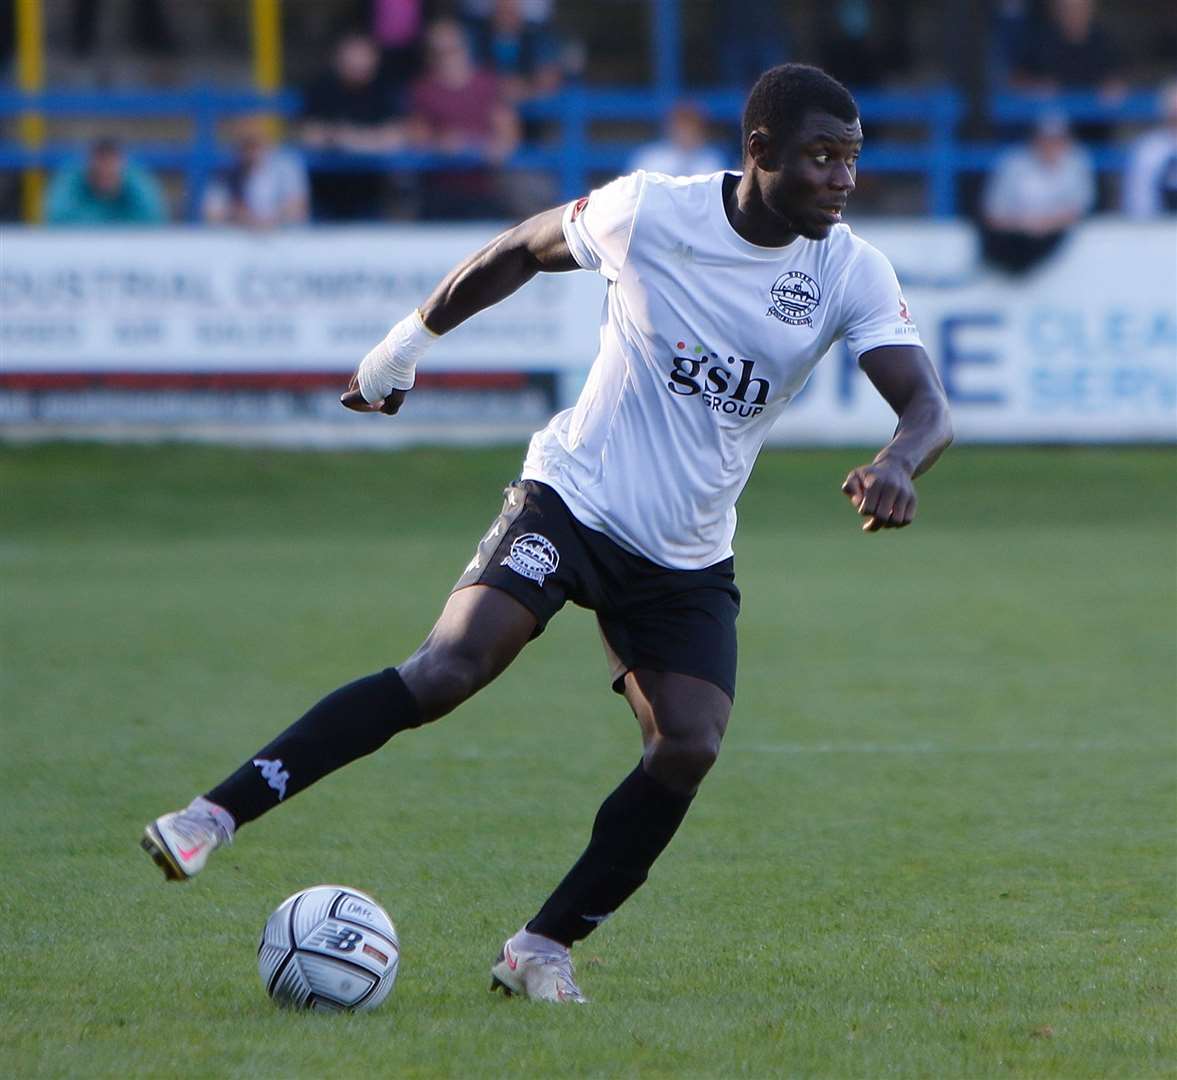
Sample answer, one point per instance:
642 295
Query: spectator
522 53
149 25
1034 196
1011 26
684 151
749 38
1068 50
105 189
456 108
350 109
851 48
396 29
265 187
534 11
1150 180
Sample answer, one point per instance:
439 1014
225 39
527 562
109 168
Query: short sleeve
1084 183
999 199
61 202
294 177
874 310
598 226
147 197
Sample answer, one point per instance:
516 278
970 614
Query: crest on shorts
533 556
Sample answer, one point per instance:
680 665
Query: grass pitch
939 842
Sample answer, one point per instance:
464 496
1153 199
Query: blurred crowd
449 86
449 80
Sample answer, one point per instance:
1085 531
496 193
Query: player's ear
760 149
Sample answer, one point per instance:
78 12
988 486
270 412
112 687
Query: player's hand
883 493
354 400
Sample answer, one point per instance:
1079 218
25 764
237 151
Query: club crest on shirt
533 556
795 297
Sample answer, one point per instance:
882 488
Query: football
330 948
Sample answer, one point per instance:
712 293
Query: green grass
939 842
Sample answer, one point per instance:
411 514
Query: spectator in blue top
521 52
1068 49
104 189
749 37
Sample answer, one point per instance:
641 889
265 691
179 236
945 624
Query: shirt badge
795 297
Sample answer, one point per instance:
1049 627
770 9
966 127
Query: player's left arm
883 492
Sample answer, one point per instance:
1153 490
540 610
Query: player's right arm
491 274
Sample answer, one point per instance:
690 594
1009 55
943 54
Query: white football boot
181 843
536 967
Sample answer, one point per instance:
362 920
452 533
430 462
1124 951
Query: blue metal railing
576 156
1022 108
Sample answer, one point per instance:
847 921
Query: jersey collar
733 239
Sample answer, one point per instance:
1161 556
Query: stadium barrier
250 337
575 156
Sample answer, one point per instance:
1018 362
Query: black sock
633 826
350 722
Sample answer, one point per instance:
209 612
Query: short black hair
106 145
783 96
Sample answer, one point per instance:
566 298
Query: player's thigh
677 707
480 631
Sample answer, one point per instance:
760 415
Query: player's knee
682 761
441 679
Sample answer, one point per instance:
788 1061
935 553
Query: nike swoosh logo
512 963
186 855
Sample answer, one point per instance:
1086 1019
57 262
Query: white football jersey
704 339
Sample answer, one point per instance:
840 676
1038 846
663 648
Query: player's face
808 180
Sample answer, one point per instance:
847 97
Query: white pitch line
472 754
934 748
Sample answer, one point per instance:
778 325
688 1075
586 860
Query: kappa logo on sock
274 775
533 556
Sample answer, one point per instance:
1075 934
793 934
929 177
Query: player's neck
749 217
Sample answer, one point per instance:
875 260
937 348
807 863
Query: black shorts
650 616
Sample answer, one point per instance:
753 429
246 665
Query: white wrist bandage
392 365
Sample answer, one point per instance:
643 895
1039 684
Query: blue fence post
574 144
204 149
667 42
945 112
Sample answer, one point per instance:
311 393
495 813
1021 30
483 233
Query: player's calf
354 720
480 631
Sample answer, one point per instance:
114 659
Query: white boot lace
561 960
197 826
